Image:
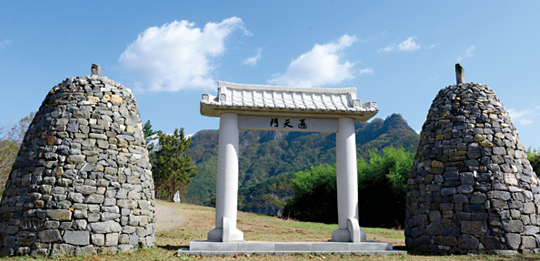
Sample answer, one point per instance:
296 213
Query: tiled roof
243 97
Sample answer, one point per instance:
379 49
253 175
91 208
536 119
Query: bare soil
167 218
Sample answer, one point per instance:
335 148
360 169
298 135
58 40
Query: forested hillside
268 159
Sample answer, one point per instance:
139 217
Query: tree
534 158
10 142
382 188
149 136
172 167
315 195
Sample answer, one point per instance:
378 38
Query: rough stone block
105 227
512 240
98 239
50 236
94 199
446 240
473 227
62 250
468 242
111 239
512 226
79 238
85 251
59 214
24 238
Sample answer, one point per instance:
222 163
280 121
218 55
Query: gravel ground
167 218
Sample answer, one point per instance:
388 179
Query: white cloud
178 55
365 71
468 53
408 45
321 66
523 117
5 43
253 60
432 46
386 49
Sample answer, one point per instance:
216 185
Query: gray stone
86 190
528 242
79 238
151 240
512 240
80 224
512 226
59 214
468 242
105 227
502 195
473 227
98 239
75 159
62 250
24 238
529 208
109 216
531 230
126 248
75 197
111 239
94 199
448 191
50 236
465 189
123 239
434 229
31 224
491 242
446 240
85 251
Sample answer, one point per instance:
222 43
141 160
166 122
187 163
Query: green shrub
534 159
382 187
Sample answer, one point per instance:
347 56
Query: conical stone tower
471 188
81 182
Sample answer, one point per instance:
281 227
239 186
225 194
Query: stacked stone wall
81 182
471 188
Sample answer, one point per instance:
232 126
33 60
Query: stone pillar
227 182
347 184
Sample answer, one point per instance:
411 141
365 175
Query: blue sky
397 53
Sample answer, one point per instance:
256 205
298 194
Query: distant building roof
245 99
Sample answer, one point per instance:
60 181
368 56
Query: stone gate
241 106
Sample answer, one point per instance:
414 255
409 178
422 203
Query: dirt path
167 218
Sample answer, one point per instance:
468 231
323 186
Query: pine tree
10 142
172 167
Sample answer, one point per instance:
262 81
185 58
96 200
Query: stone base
205 248
231 235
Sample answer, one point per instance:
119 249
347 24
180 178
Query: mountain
269 159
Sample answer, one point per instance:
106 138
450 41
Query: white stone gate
261 107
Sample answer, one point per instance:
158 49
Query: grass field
197 221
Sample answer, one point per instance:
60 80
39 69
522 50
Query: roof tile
279 98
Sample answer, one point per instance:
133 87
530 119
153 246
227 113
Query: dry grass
197 221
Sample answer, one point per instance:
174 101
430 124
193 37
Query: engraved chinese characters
274 122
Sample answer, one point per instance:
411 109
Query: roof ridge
256 87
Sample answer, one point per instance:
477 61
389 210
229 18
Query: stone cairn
471 188
81 183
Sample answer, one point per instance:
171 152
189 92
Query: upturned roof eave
216 111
